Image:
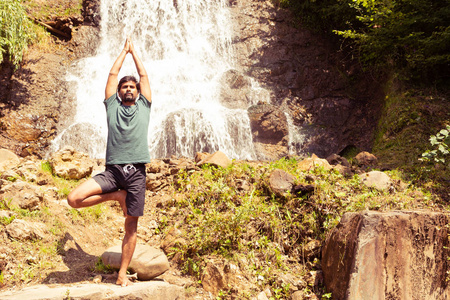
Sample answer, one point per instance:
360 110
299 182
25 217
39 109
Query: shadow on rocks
79 263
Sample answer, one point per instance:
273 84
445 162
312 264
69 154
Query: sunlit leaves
15 32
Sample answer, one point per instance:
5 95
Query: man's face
128 92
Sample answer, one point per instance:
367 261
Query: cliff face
332 103
309 89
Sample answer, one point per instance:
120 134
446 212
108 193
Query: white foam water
185 46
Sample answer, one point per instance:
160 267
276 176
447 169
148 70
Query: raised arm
111 84
143 76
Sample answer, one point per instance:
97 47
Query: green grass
102 268
220 220
46 10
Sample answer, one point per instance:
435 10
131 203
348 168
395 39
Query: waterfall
185 46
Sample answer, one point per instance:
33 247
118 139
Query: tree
410 37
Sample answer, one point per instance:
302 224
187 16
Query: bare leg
128 246
89 193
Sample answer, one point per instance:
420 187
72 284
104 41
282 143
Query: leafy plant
101 267
441 145
15 33
7 220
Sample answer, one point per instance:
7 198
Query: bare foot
123 281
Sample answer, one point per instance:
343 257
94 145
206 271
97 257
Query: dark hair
129 78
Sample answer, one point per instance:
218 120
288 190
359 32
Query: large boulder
22 194
70 164
392 255
147 262
8 160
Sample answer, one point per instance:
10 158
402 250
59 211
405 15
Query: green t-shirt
127 131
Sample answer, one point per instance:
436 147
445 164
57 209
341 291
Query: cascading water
185 46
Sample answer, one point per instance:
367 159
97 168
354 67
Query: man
128 106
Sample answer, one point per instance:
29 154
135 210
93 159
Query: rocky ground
43 240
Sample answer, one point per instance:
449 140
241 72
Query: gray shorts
131 178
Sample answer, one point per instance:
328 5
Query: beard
128 98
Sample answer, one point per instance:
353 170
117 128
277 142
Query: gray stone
218 159
147 262
155 290
22 194
280 182
22 230
376 179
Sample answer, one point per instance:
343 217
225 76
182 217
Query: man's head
128 89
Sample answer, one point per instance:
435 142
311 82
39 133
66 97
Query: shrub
441 147
15 31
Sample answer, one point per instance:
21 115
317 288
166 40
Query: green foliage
222 220
441 147
7 220
46 166
5 203
101 267
96 213
15 32
413 36
410 36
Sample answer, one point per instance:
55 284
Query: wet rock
75 137
235 90
268 124
147 262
